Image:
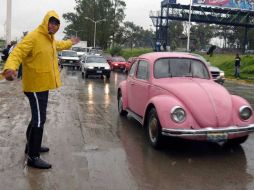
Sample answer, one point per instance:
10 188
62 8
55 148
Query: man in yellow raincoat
38 54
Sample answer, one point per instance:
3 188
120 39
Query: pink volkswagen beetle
173 94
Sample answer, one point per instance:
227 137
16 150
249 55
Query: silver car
94 65
217 74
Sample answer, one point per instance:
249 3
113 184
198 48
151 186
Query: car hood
97 65
214 69
70 58
209 103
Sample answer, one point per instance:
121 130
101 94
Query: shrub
117 50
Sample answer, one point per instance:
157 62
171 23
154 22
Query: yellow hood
43 27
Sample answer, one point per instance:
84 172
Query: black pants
38 104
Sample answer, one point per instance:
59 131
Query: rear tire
154 129
120 106
83 75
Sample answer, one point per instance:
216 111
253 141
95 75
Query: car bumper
206 133
118 67
98 72
219 80
71 64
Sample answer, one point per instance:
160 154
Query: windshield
180 67
96 60
69 54
79 49
118 59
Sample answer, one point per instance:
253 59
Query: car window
133 68
143 70
119 59
179 67
96 60
69 54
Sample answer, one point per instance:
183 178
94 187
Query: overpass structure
200 14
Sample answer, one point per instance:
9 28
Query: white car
81 50
94 65
69 58
217 74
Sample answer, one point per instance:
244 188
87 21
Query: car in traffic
118 63
173 94
217 74
129 63
96 51
95 65
81 50
69 58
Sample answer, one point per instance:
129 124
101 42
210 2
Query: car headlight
245 112
222 74
178 114
107 68
90 67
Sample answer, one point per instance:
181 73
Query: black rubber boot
34 142
37 162
42 150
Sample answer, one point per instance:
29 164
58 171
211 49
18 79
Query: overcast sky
28 14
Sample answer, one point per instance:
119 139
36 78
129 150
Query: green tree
202 33
174 32
111 11
130 35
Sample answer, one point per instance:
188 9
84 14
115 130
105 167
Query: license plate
71 61
98 71
217 137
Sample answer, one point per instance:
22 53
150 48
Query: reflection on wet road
93 148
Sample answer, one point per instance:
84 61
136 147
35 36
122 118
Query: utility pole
8 21
189 27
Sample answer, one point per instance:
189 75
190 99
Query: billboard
238 4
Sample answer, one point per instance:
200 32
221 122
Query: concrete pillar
8 21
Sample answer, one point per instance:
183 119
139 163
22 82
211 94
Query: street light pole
8 21
76 31
189 27
94 34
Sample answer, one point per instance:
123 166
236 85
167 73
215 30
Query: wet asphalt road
92 148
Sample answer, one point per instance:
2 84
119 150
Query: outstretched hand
9 74
74 40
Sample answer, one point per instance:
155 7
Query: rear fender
123 90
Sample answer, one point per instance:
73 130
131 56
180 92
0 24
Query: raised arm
66 44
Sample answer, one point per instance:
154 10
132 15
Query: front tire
154 129
121 111
236 142
85 73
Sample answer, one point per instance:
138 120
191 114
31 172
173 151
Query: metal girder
211 15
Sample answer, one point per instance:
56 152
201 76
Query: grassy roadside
134 52
226 63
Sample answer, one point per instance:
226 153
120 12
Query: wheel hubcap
120 104
153 129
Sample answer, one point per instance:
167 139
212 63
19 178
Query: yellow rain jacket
38 54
